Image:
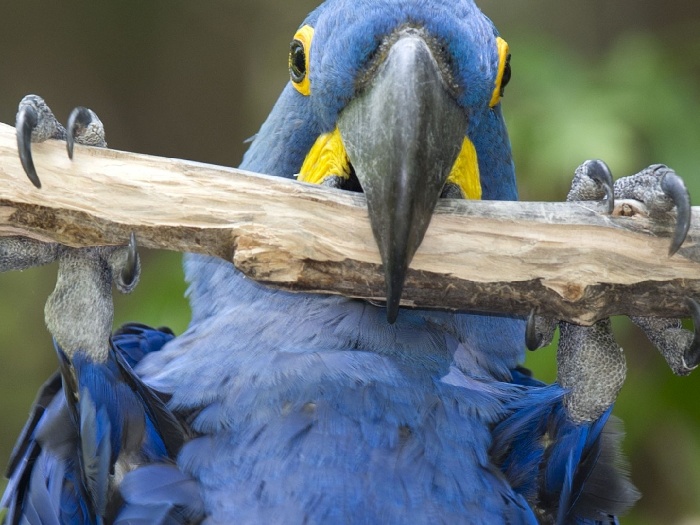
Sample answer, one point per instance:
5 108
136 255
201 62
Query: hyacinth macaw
276 407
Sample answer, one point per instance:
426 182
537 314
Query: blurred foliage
634 107
591 79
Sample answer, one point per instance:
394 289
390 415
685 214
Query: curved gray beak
402 133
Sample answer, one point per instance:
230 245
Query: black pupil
297 61
506 75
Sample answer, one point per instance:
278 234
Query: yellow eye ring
503 76
299 51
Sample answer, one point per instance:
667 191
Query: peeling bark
568 260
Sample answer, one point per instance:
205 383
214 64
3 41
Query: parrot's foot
37 123
590 364
20 253
680 348
79 312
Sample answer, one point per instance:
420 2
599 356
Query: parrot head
399 100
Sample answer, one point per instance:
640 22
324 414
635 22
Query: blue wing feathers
26 450
165 433
600 488
160 493
517 444
63 463
136 340
97 446
46 393
578 472
39 509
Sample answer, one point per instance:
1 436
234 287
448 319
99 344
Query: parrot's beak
402 133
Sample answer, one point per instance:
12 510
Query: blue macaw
301 408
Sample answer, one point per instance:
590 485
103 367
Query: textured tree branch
567 259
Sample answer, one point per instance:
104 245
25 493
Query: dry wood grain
569 260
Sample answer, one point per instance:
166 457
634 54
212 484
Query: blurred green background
616 80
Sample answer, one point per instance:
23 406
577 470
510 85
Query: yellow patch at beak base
328 157
465 172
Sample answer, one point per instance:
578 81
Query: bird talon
78 121
131 269
674 188
26 122
539 330
593 182
691 356
84 127
533 340
35 123
600 173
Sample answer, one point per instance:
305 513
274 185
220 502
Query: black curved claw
79 119
27 120
599 172
130 269
533 341
691 356
674 187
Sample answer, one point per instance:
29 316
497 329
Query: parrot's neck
220 295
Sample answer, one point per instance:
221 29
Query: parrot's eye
299 60
504 73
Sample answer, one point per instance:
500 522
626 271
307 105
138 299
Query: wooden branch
568 260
